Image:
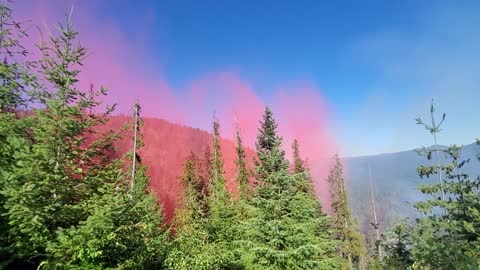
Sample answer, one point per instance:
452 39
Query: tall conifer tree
217 182
298 164
53 175
352 244
66 198
287 230
447 235
242 172
16 79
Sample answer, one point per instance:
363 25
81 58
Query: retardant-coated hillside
166 146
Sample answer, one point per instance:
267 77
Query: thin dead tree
375 223
136 130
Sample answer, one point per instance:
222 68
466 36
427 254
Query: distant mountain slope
395 181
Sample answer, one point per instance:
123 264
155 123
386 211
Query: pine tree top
298 163
269 148
242 172
267 138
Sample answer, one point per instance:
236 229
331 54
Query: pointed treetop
218 181
242 172
267 138
298 163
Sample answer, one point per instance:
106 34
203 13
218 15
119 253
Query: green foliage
298 166
352 244
119 233
64 201
451 239
218 193
206 228
202 226
16 79
447 237
287 229
271 158
15 71
397 243
242 171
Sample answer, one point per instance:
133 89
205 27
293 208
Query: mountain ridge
395 181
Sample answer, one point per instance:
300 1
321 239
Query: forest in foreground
69 199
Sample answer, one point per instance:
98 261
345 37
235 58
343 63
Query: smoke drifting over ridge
122 64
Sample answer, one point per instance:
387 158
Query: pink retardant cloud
114 60
122 64
304 116
231 99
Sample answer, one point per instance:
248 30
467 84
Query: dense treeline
68 202
65 203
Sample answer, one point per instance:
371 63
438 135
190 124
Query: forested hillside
169 145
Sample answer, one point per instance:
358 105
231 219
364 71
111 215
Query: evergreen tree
298 166
206 168
287 230
302 172
271 158
16 79
124 229
217 182
242 171
194 246
66 199
446 237
194 200
120 232
352 244
51 176
448 240
205 233
397 243
221 225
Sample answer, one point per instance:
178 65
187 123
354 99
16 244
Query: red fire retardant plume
122 64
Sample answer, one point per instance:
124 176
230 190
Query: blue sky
377 63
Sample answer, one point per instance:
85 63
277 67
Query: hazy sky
376 64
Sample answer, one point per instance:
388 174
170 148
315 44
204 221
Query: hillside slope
166 147
395 182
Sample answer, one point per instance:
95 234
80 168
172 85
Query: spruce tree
287 230
206 168
446 236
124 229
206 222
221 225
298 166
397 243
352 244
121 232
194 247
302 172
217 182
242 171
271 157
16 76
16 79
60 169
67 202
